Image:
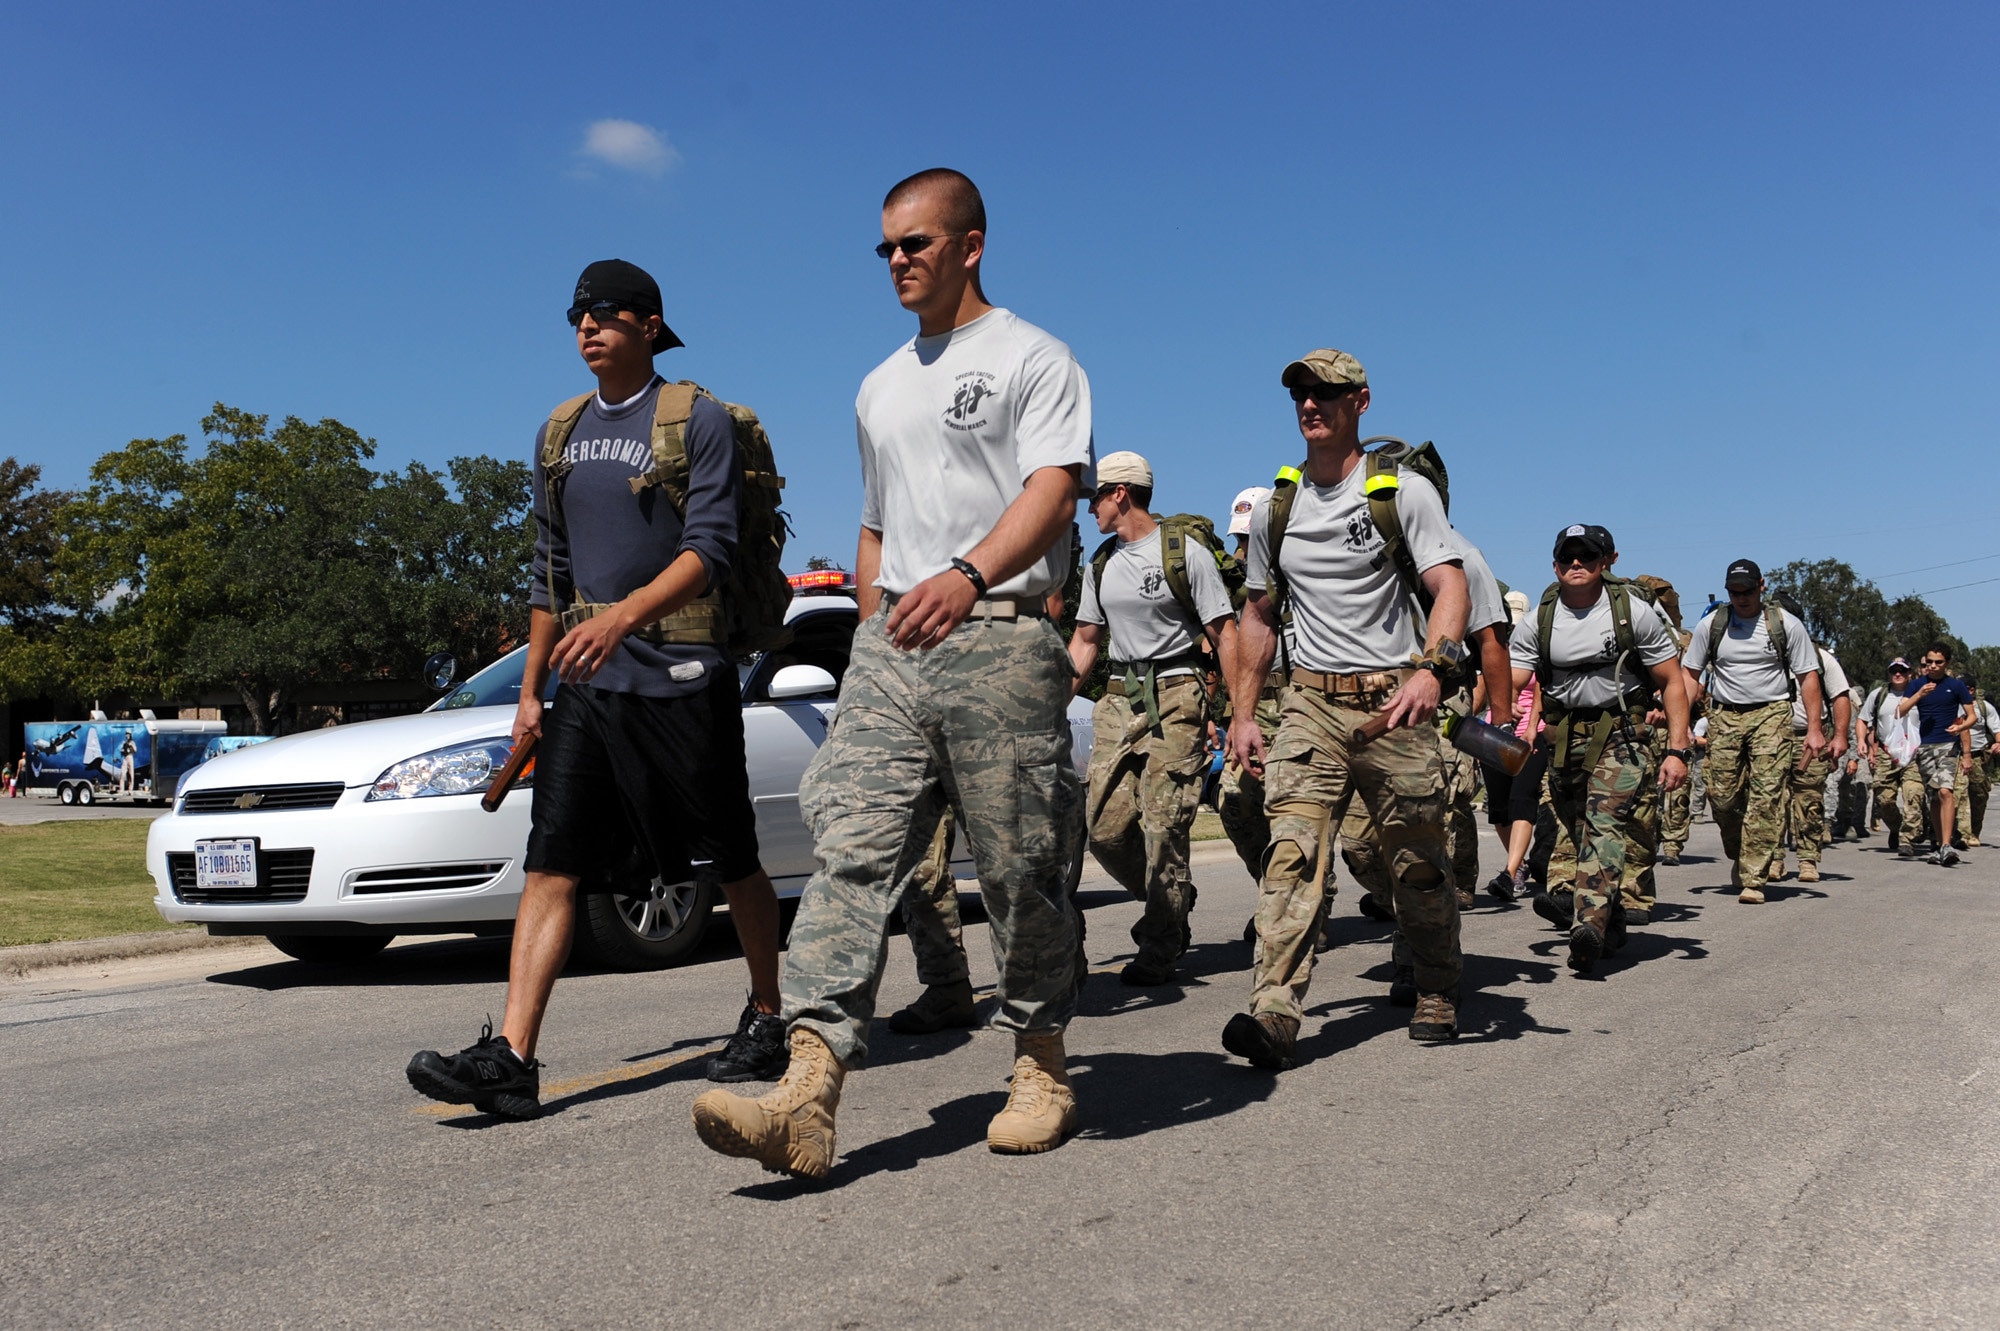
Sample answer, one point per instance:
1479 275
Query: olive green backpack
747 614
1178 533
1381 487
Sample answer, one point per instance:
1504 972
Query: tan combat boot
1041 1107
1808 871
790 1129
1750 896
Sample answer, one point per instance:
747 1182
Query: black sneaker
759 1051
1502 886
487 1075
1638 915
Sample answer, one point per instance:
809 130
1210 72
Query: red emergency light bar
822 580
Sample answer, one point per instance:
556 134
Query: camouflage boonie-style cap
1325 366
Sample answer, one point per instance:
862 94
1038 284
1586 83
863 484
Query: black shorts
1513 798
619 772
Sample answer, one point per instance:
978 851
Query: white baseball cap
1124 469
1239 512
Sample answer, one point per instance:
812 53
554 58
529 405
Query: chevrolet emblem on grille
249 799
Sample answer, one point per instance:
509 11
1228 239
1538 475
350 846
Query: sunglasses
601 311
911 246
1324 394
1565 561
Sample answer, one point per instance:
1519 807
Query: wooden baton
524 753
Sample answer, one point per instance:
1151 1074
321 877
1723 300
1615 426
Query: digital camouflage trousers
1749 755
975 725
1598 807
1645 837
1314 772
1805 804
1142 789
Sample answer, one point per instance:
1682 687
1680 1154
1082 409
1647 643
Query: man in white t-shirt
1899 787
1362 660
1600 679
1978 781
1149 745
975 437
1757 656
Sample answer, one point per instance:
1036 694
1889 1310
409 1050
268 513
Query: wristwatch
971 570
1443 659
1685 755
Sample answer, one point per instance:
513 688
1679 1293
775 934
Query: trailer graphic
142 761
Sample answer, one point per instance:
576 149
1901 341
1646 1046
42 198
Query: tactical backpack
747 614
1620 591
1177 533
1381 486
1774 626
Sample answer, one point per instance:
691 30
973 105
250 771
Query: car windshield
499 685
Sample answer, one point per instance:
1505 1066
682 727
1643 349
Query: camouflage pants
1805 805
1749 753
974 725
930 914
1144 786
1974 789
1675 806
1598 807
1240 803
1899 794
1314 773
1643 837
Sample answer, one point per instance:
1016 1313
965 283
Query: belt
1141 681
1373 681
1746 706
994 607
1160 667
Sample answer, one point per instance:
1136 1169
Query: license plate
231 863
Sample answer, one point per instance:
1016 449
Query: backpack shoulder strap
1774 628
1284 492
669 471
1545 627
1718 628
1098 559
1383 488
1174 538
555 470
1621 614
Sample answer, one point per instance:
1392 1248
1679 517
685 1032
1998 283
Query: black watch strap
972 572
1685 755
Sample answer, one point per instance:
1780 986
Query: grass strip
84 879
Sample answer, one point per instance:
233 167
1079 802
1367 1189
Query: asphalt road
47 809
1775 1116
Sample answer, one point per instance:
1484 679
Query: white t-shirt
1350 613
1878 710
1487 607
950 429
1583 651
1747 669
1832 683
1135 604
1985 725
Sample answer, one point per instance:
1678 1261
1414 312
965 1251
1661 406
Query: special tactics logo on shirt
1361 531
974 390
1152 583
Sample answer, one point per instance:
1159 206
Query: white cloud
630 146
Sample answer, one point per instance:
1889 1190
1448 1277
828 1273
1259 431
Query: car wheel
644 931
330 949
86 794
66 793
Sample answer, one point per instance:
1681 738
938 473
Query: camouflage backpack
1177 533
1381 486
747 614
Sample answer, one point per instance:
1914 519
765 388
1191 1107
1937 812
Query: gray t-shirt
1583 651
1747 669
950 428
1135 604
1832 683
616 541
1350 613
1487 607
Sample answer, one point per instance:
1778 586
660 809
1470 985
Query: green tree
1849 615
28 609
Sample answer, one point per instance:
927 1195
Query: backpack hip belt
1597 723
699 622
1142 683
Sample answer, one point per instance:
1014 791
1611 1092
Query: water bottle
1488 743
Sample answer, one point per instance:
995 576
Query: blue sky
1723 278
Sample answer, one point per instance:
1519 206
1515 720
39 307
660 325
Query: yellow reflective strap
1381 481
1292 474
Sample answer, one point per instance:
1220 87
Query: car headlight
463 769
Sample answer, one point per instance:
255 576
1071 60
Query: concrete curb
18 962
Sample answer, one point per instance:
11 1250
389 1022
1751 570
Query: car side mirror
440 670
800 681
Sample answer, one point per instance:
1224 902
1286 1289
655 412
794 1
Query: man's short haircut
1942 649
964 209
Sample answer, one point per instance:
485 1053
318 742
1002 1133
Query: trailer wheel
66 793
86 794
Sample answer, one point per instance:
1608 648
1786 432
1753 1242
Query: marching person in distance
1756 656
1979 781
1944 749
1357 656
974 438
1240 802
645 737
1899 787
1149 751
1805 780
1604 656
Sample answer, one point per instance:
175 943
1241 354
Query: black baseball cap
629 287
1743 576
1595 540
